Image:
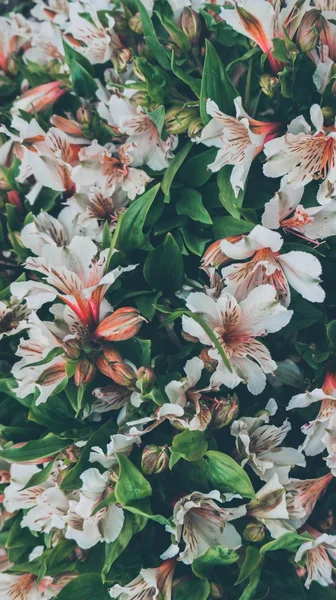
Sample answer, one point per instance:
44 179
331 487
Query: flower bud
84 115
308 34
178 119
140 99
146 377
4 477
269 84
254 532
85 372
135 23
113 475
112 355
72 349
121 373
225 411
13 198
52 375
195 127
124 57
154 460
191 25
123 324
39 98
328 115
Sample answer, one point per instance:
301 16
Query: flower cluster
168 341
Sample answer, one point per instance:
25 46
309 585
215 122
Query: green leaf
41 476
190 445
173 167
192 82
164 268
146 304
205 565
132 525
194 242
190 203
83 84
85 587
251 588
131 485
288 541
71 54
226 226
196 589
106 236
158 117
151 39
131 236
226 193
226 475
47 446
216 84
195 170
175 32
50 356
279 51
251 562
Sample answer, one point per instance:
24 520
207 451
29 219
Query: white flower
119 443
302 495
258 444
46 46
299 269
236 327
44 377
47 504
89 37
105 525
314 431
304 156
184 393
239 140
150 584
315 555
284 210
45 230
269 507
15 32
27 587
262 21
200 523
98 167
147 146
13 317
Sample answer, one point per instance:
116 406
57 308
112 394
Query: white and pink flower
316 555
149 584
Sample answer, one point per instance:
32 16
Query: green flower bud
308 34
269 84
178 119
191 25
135 23
254 532
154 460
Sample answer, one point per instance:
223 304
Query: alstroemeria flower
185 394
28 587
239 139
13 317
258 443
77 276
15 32
150 584
315 430
262 21
299 269
304 155
147 147
119 443
269 507
47 504
285 211
236 327
302 495
329 440
200 524
46 377
46 230
315 555
99 167
56 11
89 37
46 47
105 525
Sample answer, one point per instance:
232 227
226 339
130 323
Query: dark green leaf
226 475
48 446
174 166
197 590
205 565
131 235
85 587
190 203
131 485
216 84
226 192
163 268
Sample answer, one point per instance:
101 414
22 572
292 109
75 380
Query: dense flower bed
168 255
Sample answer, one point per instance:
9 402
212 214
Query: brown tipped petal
123 324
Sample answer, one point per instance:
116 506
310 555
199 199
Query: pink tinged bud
122 374
112 355
209 363
13 198
308 34
146 377
85 372
5 477
329 385
40 98
225 411
191 25
123 324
